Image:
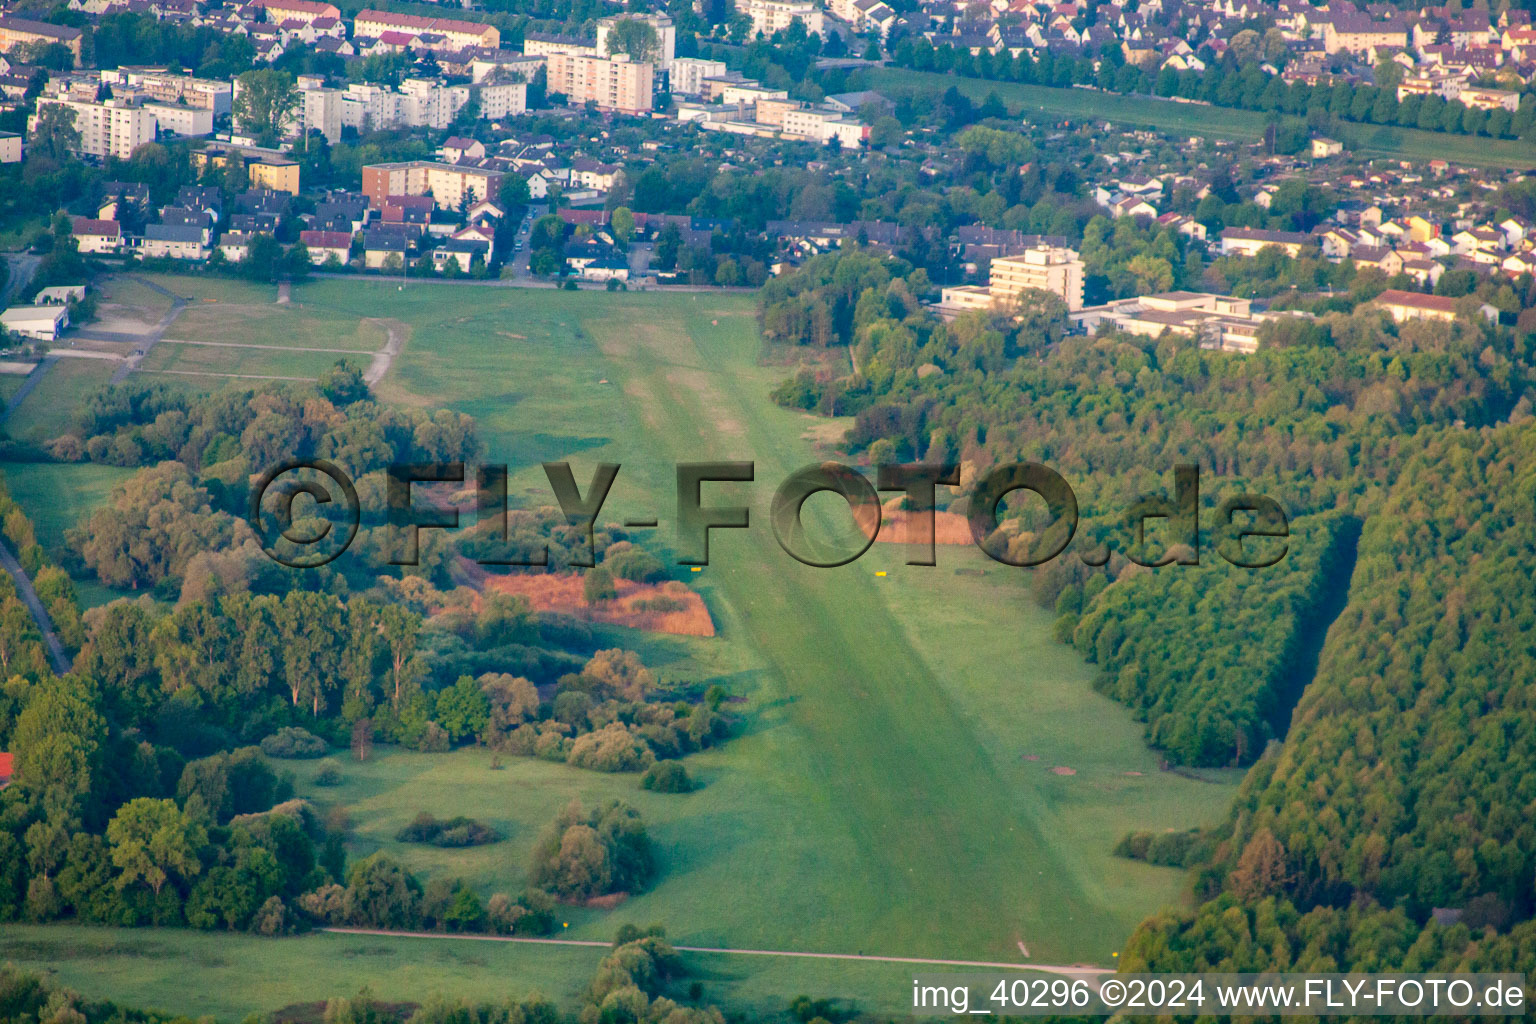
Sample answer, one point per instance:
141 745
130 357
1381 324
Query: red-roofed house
322 245
1414 306
281 12
7 763
97 235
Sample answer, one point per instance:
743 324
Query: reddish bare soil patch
1063 770
607 902
902 526
561 593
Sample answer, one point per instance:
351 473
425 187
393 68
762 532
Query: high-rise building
612 83
109 128
1048 268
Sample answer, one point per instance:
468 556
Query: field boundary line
1068 969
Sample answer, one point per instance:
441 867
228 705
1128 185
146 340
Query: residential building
188 122
18 31
1250 241
1404 306
447 184
323 245
303 12
175 241
688 74
264 168
97 236
161 86
11 145
456 35
611 83
770 16
1053 269
109 128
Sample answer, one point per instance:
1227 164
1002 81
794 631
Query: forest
1404 785
145 790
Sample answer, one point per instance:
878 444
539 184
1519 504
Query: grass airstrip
891 786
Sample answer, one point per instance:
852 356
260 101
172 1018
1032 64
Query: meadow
890 789
1030 101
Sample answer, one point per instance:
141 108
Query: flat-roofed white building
41 323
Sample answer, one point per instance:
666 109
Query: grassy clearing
231 976
259 362
57 496
51 406
1195 119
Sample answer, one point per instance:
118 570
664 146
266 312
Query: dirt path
275 348
178 303
385 357
1071 970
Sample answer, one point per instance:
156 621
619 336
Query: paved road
1071 970
23 265
39 614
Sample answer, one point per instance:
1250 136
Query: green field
890 789
55 496
1197 119
47 411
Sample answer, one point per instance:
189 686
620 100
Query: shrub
292 742
659 603
329 774
449 833
667 777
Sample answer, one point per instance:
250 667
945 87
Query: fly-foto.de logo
307 512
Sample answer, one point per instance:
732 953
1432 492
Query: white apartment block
689 73
428 104
615 83
821 125
188 122
163 87
1050 269
320 108
110 128
770 16
502 99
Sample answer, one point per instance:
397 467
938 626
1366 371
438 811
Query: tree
58 740
622 223
362 739
153 841
54 135
400 627
382 894
635 37
264 102
343 384
597 586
